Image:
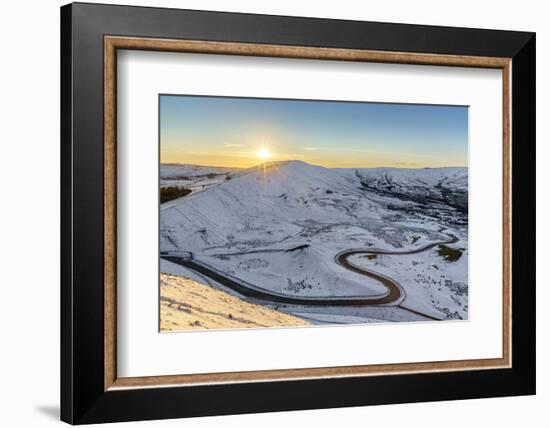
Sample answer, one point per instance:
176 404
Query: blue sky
247 131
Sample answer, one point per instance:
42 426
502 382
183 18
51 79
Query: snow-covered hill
193 177
177 171
448 185
279 225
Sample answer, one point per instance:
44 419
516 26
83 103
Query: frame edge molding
113 43
83 395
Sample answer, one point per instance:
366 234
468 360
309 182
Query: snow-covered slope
194 177
173 171
280 225
264 205
186 304
448 185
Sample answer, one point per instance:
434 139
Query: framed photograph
320 213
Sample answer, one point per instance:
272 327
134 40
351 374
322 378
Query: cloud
313 149
340 149
234 145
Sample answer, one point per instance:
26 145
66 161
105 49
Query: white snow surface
438 184
184 171
194 177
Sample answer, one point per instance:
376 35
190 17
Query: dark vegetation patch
370 256
172 192
448 253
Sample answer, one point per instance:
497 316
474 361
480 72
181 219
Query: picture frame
91 36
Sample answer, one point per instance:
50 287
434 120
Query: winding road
394 289
394 293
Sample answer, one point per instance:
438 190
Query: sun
263 153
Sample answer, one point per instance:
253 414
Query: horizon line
308 163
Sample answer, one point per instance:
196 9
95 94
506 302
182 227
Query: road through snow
394 293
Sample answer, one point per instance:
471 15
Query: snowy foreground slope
280 226
186 304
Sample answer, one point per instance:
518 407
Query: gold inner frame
113 43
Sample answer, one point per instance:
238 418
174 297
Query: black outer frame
83 399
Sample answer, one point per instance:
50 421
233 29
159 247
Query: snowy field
196 178
280 227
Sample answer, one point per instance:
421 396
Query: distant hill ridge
289 192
